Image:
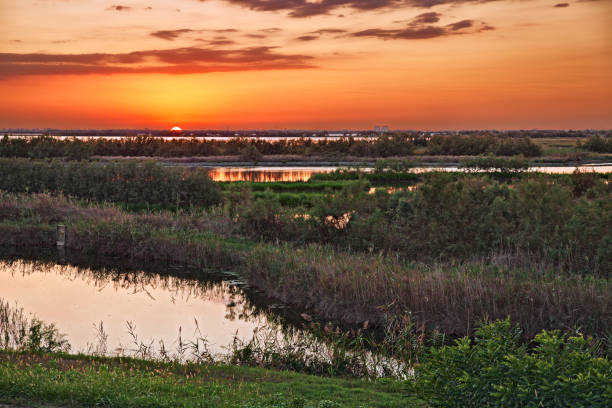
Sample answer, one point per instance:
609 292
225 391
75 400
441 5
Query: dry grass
451 298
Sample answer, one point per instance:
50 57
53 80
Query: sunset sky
335 64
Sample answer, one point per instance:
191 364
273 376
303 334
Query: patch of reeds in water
18 331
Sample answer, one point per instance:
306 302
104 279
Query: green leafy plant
496 370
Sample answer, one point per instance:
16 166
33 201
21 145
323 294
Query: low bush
496 370
599 144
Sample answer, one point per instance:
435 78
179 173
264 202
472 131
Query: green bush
251 154
598 144
496 370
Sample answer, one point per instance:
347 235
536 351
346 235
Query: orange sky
305 64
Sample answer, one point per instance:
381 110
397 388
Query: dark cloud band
306 8
188 60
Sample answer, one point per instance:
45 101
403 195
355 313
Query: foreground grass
77 380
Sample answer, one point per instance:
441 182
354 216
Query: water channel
83 301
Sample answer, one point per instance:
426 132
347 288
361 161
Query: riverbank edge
80 380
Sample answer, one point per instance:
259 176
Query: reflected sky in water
295 173
266 174
76 299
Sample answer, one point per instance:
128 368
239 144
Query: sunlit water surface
304 173
160 308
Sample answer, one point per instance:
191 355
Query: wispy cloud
171 35
120 8
307 8
189 60
421 27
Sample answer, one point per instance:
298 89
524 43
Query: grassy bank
494 369
62 379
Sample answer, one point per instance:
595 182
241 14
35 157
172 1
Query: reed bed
452 299
147 183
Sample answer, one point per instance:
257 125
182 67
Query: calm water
296 173
160 308
266 174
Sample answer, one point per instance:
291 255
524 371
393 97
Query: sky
306 64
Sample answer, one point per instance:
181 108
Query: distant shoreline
300 161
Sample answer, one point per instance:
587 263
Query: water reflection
266 174
292 173
160 307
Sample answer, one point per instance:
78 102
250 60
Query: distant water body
303 173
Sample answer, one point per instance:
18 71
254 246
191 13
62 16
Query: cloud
271 30
561 5
421 28
460 25
426 18
404 34
120 8
188 60
219 42
308 8
171 35
307 38
328 31
315 35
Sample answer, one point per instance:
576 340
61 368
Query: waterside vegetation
255 149
429 260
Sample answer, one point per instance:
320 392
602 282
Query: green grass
83 381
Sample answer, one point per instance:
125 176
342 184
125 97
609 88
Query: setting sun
176 129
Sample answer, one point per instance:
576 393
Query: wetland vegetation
434 270
421 146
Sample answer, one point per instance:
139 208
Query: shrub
598 144
496 370
250 153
